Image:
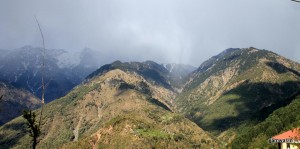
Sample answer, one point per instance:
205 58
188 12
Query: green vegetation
241 96
152 133
58 112
33 127
131 118
237 89
279 121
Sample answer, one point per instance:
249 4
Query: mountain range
63 69
237 99
121 105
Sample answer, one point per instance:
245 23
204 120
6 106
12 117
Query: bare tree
1 100
43 71
34 129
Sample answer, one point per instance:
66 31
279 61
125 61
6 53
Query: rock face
116 107
63 69
13 101
238 86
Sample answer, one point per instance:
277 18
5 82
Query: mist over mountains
63 69
149 74
236 96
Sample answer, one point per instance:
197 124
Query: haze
180 31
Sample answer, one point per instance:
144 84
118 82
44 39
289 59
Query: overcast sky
181 31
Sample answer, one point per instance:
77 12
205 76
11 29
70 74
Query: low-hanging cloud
182 31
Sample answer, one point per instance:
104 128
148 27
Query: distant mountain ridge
63 69
169 75
14 101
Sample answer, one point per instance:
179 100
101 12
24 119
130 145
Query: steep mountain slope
64 69
279 121
238 87
115 108
14 101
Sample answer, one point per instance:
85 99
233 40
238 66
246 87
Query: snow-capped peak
68 59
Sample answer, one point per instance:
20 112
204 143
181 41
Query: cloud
165 31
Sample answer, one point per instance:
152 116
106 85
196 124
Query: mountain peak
168 75
227 51
246 83
235 55
64 69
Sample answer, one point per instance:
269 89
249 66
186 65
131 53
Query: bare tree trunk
43 72
296 1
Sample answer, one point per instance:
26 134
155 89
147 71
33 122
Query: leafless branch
296 1
47 84
1 101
